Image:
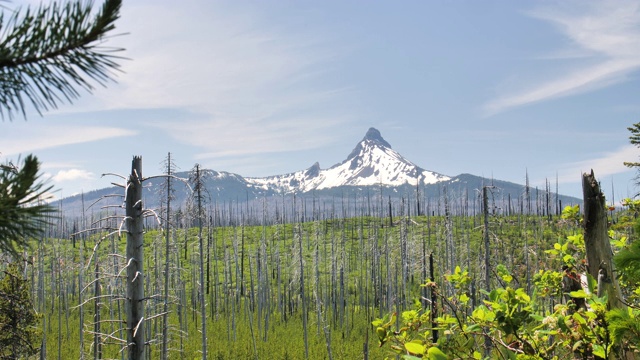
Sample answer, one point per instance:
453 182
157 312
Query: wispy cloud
231 137
59 165
251 83
608 164
49 136
606 32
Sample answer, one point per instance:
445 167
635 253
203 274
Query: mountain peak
372 162
371 139
313 171
374 135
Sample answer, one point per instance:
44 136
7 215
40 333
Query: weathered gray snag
135 273
487 255
302 294
487 251
97 347
596 240
199 185
81 284
167 254
598 247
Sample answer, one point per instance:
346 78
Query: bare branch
113 174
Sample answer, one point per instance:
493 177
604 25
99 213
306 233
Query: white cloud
73 174
607 30
608 164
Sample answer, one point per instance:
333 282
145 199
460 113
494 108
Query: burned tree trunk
597 244
598 249
135 273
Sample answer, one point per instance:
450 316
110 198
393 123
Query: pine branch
22 214
634 139
46 55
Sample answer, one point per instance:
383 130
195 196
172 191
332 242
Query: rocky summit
372 162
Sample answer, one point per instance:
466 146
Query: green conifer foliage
19 335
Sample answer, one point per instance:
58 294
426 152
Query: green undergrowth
355 270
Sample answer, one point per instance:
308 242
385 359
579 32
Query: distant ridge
372 167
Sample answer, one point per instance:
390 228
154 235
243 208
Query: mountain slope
372 162
373 168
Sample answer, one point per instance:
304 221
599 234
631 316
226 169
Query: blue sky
492 88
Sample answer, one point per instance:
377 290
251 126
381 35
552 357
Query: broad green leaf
577 239
409 315
579 294
436 354
562 324
494 295
567 259
479 313
447 320
522 295
470 343
577 345
598 351
464 298
536 317
591 283
578 318
414 348
473 327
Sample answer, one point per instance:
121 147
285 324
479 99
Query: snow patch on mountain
372 162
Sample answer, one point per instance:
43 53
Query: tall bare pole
167 254
81 282
303 295
199 184
135 256
487 256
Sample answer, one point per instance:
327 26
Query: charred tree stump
597 244
598 248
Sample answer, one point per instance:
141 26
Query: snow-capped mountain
372 162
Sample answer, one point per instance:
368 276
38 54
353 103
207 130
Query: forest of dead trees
234 281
